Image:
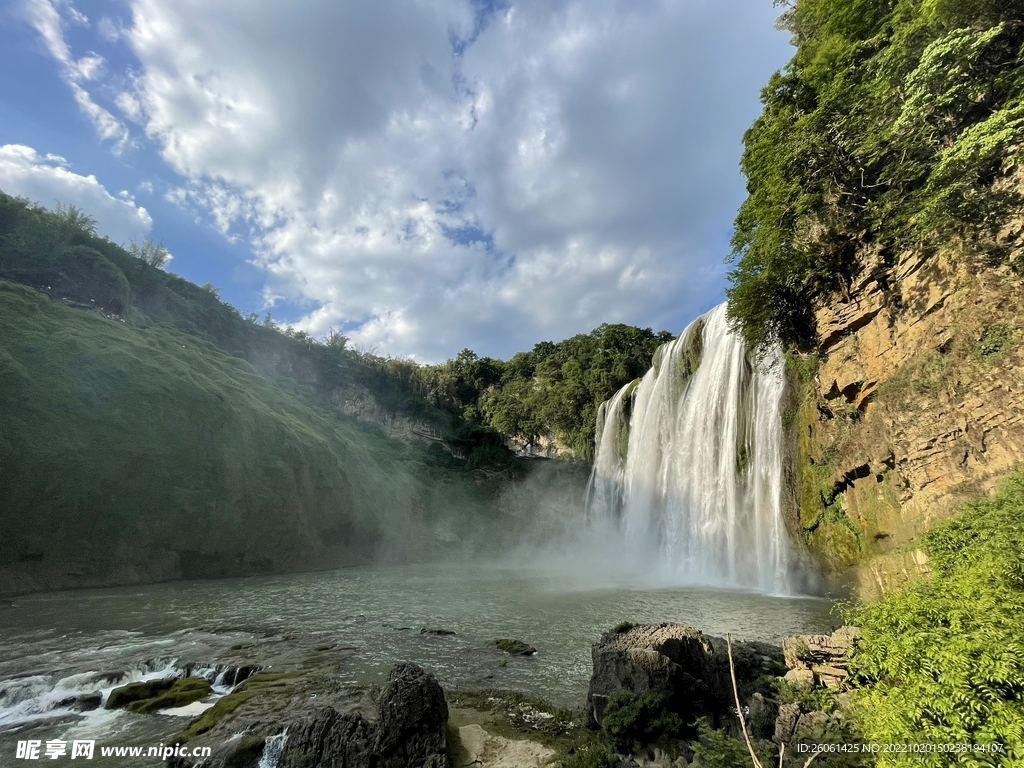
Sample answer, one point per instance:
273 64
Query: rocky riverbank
660 695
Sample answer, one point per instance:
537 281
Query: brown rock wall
919 395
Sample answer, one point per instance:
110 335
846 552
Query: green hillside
148 453
149 430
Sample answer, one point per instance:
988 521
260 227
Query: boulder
810 722
819 659
88 702
761 715
413 716
409 731
126 694
801 678
515 647
328 738
684 667
786 722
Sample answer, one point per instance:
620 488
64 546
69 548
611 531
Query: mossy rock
515 647
836 544
260 683
263 680
693 352
247 754
224 706
134 692
182 693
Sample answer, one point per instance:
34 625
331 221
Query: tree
154 254
75 218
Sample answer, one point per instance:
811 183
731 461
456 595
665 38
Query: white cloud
432 178
47 18
48 179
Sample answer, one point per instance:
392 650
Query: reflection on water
380 610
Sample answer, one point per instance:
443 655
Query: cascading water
687 473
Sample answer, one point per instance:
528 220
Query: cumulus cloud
429 176
48 179
50 18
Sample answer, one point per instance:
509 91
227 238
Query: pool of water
53 637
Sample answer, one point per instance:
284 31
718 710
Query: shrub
631 721
943 660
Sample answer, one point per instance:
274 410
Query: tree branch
739 708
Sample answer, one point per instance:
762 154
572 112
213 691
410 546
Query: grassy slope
151 449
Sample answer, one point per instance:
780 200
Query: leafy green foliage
893 126
633 721
943 660
557 388
71 219
716 749
475 402
60 253
170 450
995 340
155 255
590 750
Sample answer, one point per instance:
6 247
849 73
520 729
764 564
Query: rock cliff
913 403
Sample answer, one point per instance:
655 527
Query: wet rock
303 715
150 689
686 668
87 702
184 691
430 631
409 731
328 738
515 647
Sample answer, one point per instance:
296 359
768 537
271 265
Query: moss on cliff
896 124
832 538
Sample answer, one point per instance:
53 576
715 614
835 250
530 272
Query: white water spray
688 470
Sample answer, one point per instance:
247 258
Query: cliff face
914 404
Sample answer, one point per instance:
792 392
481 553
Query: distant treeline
554 389
475 402
897 124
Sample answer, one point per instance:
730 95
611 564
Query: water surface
56 640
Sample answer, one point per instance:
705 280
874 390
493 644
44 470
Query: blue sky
424 176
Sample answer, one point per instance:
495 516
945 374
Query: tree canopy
897 124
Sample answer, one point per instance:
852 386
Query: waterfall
687 475
273 748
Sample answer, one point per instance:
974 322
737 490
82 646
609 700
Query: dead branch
739 708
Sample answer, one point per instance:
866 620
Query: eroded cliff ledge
913 403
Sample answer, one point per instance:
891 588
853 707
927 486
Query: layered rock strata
915 405
819 660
